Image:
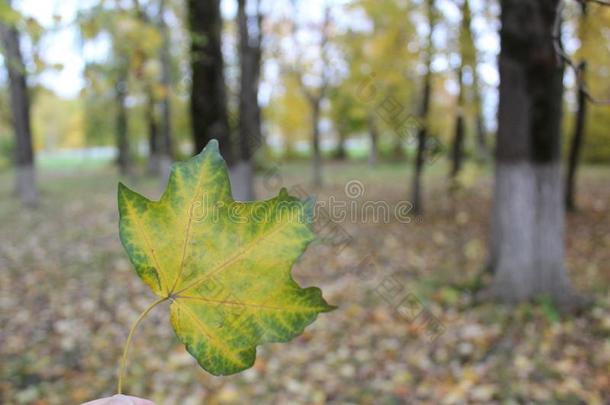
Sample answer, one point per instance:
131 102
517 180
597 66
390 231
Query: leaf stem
129 337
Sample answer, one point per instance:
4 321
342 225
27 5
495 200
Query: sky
63 46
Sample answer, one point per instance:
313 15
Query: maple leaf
224 265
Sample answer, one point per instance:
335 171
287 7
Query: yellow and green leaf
224 265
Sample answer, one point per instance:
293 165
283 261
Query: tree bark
122 137
374 138
165 135
482 149
340 152
153 134
422 133
250 137
481 138
208 93
527 251
576 144
25 181
398 153
457 148
315 143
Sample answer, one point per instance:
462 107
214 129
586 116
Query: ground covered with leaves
407 330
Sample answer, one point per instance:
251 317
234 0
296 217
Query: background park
458 150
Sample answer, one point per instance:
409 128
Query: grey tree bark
527 243
250 136
25 179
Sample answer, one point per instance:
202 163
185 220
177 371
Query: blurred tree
471 61
422 133
133 41
25 187
595 49
577 139
382 62
250 137
347 113
152 119
156 77
593 46
56 122
122 137
98 104
288 114
457 149
527 241
315 90
468 63
208 93
165 140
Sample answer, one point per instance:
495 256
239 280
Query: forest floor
407 330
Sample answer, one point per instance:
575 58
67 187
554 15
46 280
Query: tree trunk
25 180
457 148
469 58
153 135
481 138
422 133
374 137
576 144
527 252
398 153
208 93
315 140
250 138
340 153
165 135
482 150
122 138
